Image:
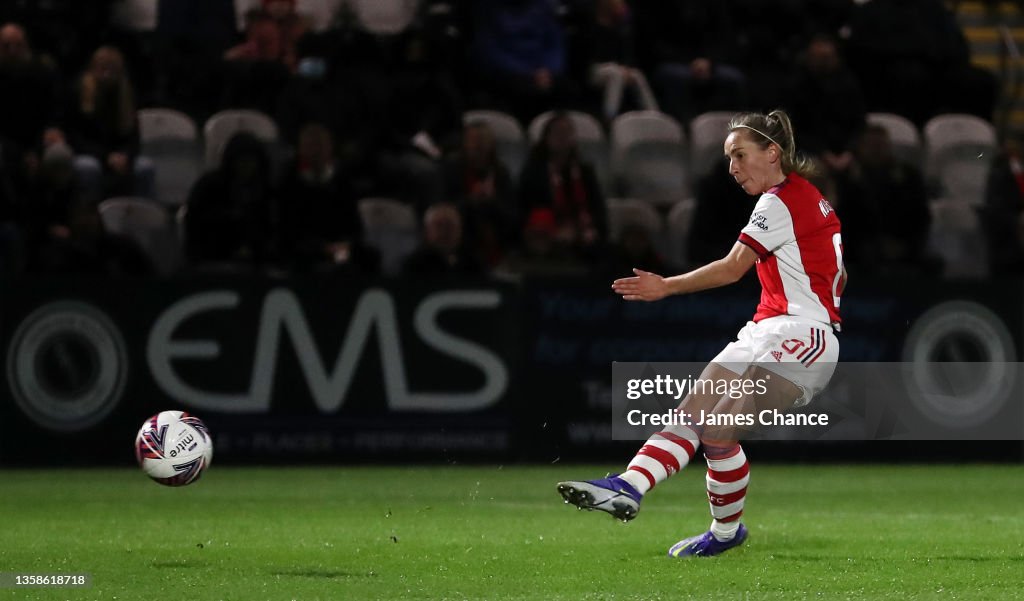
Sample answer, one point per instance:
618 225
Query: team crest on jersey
825 207
760 221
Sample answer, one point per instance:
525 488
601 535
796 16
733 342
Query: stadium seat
956 236
648 156
170 139
165 124
959 150
593 143
707 137
623 212
906 140
134 15
508 134
678 224
392 228
384 17
320 13
148 224
221 126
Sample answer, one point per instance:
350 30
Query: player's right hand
645 286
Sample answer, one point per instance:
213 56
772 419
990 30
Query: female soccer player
793 237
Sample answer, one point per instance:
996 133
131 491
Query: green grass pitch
494 533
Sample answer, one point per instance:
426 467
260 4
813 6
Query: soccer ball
174 448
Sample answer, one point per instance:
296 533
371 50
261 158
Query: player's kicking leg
664 454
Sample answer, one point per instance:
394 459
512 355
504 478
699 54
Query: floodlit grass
494 533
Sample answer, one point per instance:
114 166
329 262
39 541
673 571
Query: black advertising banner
582 328
279 370
324 369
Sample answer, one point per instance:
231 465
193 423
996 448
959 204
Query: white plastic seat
679 222
648 156
170 139
708 132
508 135
960 149
148 224
134 15
956 236
906 140
319 13
221 126
391 227
384 17
165 124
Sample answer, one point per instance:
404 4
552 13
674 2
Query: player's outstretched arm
646 286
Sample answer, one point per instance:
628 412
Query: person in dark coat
232 210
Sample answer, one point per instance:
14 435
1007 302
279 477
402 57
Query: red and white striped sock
664 454
728 475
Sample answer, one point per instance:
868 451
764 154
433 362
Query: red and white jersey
795 233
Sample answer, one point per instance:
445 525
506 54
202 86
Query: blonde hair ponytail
775 128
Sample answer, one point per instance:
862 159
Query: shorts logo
760 221
66 366
816 348
778 356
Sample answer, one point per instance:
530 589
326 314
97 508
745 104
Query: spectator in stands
481 187
612 68
263 40
883 204
556 178
764 40
913 60
102 130
634 249
232 210
83 247
1002 215
520 54
325 92
51 194
189 44
257 70
418 114
320 225
41 213
291 25
442 251
827 103
687 44
28 104
541 253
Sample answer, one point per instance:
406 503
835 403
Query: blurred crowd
378 112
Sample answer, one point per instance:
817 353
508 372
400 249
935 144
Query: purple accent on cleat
706 545
612 495
616 484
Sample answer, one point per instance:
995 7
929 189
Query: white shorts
800 350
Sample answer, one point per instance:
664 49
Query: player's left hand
645 286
